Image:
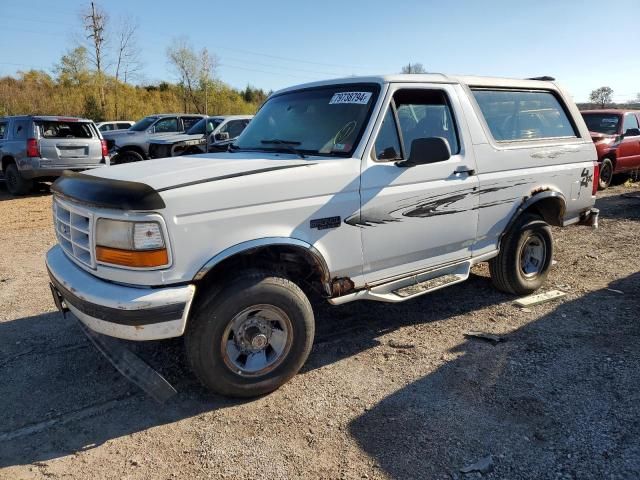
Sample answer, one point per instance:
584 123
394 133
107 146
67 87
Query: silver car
132 145
115 125
209 134
42 147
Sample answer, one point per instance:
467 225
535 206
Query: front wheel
606 174
128 156
250 336
525 256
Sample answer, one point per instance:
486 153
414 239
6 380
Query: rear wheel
525 256
606 174
16 183
251 335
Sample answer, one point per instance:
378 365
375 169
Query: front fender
264 242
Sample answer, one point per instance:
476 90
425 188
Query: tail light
33 150
105 149
596 177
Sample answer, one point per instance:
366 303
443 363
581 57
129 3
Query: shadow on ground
39 190
562 389
558 399
58 395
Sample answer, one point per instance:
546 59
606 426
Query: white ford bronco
377 188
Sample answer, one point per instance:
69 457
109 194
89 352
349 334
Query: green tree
601 96
92 109
73 68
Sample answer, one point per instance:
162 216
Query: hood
175 138
599 137
176 172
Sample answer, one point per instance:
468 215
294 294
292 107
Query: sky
271 44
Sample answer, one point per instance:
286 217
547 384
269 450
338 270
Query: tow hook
590 218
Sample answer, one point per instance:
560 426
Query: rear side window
106 127
123 126
190 122
3 129
514 115
57 129
20 129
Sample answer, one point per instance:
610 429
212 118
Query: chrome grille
74 231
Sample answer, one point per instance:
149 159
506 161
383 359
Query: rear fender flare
536 197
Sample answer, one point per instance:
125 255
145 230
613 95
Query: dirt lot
390 391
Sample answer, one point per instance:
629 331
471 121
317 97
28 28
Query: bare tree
208 63
601 96
413 68
95 23
186 63
127 55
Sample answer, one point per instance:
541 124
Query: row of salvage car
38 148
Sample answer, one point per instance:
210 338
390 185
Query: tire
251 335
606 167
16 184
129 156
523 264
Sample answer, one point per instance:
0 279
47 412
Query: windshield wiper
286 144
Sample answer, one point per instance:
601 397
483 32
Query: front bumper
132 313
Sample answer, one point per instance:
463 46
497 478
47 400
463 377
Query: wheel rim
606 173
257 340
532 255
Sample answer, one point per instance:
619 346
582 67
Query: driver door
423 216
629 149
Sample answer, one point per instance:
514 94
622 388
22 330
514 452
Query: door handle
468 171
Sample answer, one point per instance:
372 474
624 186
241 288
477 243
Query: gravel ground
390 391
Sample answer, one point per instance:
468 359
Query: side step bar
413 286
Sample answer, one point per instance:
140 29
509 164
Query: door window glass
234 127
630 122
3 128
167 125
425 114
388 143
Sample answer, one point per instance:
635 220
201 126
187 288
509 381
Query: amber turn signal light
133 258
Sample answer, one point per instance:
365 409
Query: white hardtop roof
432 78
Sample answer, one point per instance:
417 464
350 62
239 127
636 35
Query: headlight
130 244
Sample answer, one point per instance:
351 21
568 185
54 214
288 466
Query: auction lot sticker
361 98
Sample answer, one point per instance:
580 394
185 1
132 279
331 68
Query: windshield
143 124
328 120
606 123
198 128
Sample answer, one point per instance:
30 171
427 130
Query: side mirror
151 130
427 150
632 132
222 136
